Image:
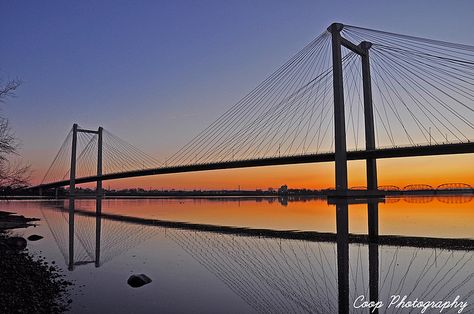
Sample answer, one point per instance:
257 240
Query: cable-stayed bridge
351 94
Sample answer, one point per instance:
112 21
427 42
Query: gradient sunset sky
157 72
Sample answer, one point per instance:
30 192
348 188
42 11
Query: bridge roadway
394 152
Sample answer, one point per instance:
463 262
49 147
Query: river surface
210 271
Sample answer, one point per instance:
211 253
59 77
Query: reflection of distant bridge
275 271
422 198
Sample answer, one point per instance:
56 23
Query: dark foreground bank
28 283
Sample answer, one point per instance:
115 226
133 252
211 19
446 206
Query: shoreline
210 195
10 221
29 283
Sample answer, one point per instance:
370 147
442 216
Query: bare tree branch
8 90
8 142
12 174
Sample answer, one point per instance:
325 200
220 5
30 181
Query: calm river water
212 271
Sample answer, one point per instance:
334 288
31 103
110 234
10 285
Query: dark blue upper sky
157 72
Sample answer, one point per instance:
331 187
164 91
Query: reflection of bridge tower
276 274
297 276
89 238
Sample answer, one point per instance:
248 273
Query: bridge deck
395 152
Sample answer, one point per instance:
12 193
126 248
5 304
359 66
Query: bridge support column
72 172
371 163
99 161
339 119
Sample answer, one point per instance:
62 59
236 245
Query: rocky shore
28 283
11 221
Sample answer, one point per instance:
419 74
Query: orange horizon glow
432 170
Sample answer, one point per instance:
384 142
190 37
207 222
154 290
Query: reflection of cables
58 228
279 271
116 238
446 273
273 274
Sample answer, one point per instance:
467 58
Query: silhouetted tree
12 174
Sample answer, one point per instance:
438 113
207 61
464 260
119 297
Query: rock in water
16 243
136 281
34 237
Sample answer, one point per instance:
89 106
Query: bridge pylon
99 161
72 172
338 41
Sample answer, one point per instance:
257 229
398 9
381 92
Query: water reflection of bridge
281 271
454 198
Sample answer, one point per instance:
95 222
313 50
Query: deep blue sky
157 72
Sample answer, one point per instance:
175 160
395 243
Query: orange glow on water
434 216
247 212
448 216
